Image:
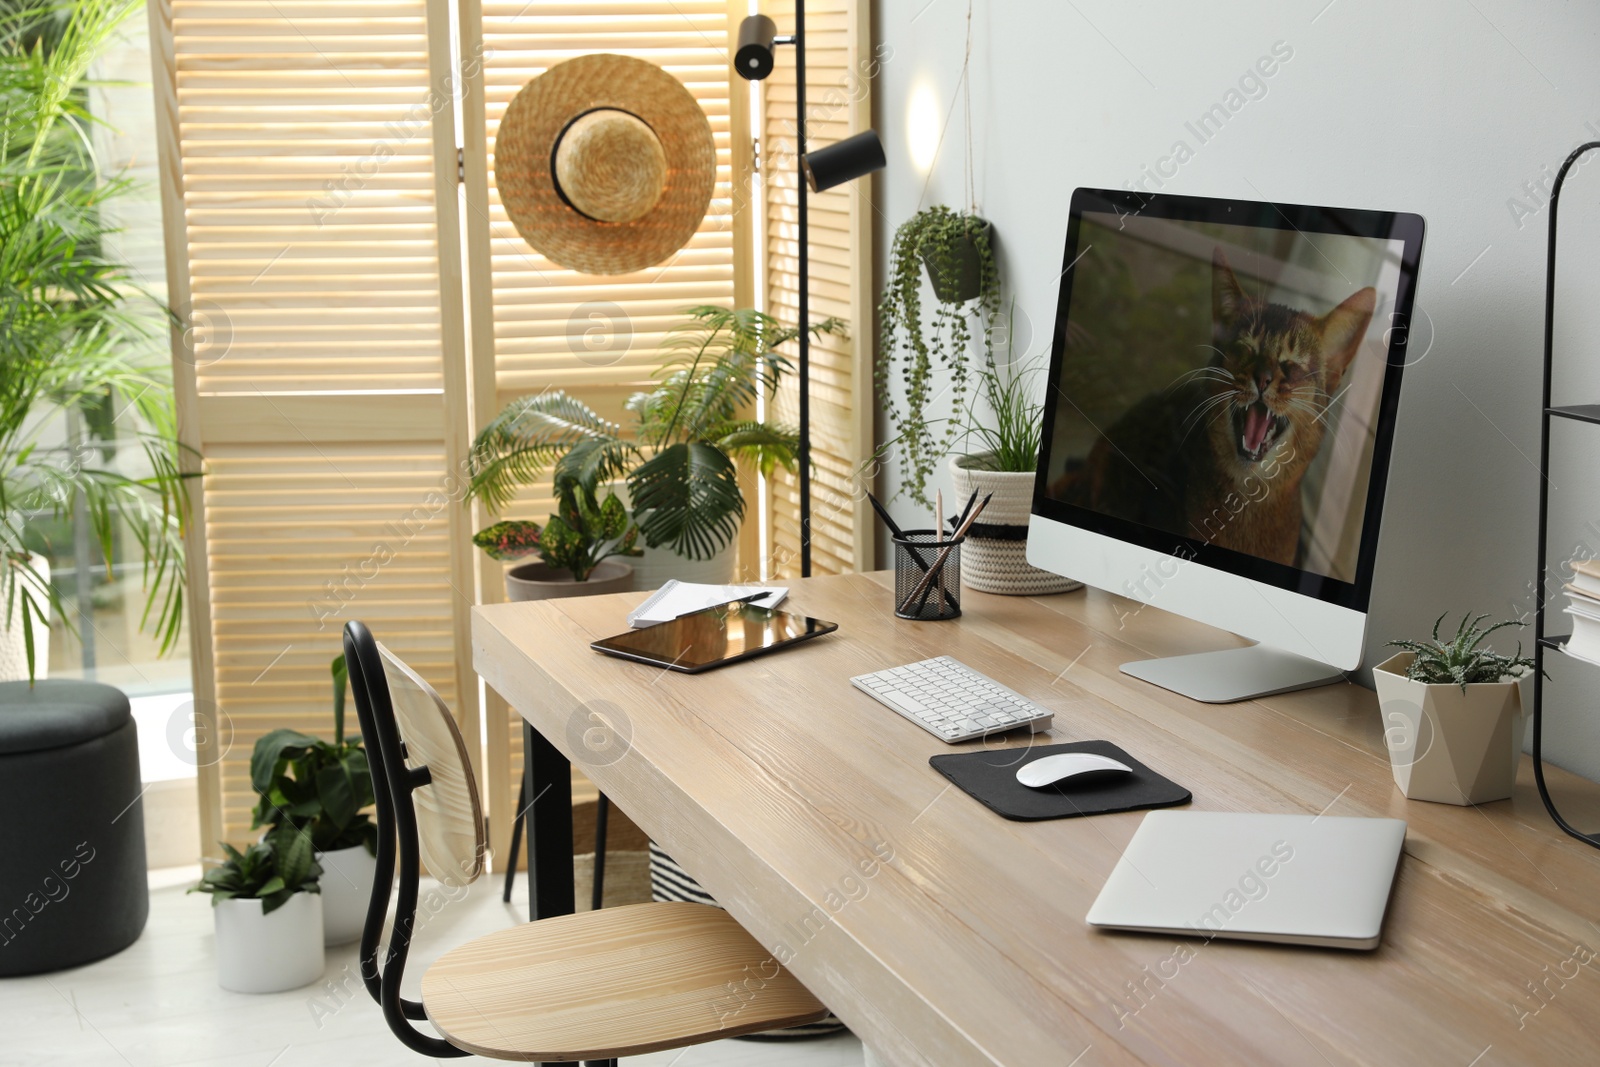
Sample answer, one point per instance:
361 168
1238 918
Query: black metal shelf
1578 413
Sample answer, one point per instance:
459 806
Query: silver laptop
1299 879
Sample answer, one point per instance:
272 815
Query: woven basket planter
1000 564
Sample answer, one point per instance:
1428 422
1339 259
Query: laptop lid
1298 879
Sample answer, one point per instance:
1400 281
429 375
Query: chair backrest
428 811
449 815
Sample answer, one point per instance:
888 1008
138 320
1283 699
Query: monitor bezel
1306 219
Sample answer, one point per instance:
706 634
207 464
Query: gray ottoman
72 867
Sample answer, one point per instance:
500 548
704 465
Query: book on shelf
1585 577
1584 610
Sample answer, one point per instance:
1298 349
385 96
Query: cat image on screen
1219 454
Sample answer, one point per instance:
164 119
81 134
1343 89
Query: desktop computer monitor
1218 419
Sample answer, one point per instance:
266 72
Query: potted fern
267 914
323 790
957 253
1453 714
679 463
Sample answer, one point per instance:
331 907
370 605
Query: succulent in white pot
267 913
1453 714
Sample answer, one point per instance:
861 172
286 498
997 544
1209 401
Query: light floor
157 1004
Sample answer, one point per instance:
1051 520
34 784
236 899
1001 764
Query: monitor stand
1234 673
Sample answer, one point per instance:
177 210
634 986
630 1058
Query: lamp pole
805 287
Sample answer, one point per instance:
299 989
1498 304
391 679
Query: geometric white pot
1449 746
997 564
346 882
13 643
259 953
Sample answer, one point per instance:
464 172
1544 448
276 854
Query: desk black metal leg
516 838
602 809
548 779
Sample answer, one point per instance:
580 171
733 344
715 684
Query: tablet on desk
703 640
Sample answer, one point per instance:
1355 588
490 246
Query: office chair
592 986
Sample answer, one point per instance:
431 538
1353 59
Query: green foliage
690 431
509 539
313 786
272 870
909 350
585 531
75 331
1457 660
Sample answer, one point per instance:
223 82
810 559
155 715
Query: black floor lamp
821 170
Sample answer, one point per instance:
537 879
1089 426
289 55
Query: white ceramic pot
346 883
999 565
1449 746
651 570
259 953
13 645
539 581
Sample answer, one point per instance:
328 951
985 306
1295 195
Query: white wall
1437 107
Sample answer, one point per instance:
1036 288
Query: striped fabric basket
668 881
995 557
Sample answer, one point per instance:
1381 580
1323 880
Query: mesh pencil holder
916 596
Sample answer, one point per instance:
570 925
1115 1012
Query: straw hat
605 164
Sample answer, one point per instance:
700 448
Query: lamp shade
843 161
753 59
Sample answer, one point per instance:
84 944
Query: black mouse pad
991 778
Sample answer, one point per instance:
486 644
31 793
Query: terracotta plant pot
259 953
995 564
964 279
346 883
1449 746
539 581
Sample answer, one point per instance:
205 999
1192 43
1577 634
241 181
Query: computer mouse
1072 769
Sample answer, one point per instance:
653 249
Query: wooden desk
780 788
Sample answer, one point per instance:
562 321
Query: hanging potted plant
679 465
323 790
268 914
575 546
1453 714
957 253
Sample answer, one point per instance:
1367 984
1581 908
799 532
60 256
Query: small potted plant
323 790
1000 455
268 914
957 253
575 546
1453 714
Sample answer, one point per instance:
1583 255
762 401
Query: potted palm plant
323 790
679 465
267 914
1453 714
956 250
78 337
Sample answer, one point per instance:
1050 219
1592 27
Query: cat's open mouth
1256 430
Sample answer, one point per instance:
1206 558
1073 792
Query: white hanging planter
999 565
346 884
13 644
259 953
1449 746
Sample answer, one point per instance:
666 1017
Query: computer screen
1224 380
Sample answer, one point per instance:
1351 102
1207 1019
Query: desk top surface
946 935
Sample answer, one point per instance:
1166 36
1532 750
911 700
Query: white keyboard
951 700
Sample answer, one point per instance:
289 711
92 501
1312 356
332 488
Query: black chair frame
393 783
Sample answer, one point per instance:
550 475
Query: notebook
677 598
1297 879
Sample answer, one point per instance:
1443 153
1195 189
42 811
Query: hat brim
534 120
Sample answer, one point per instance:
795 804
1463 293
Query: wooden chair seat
604 984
